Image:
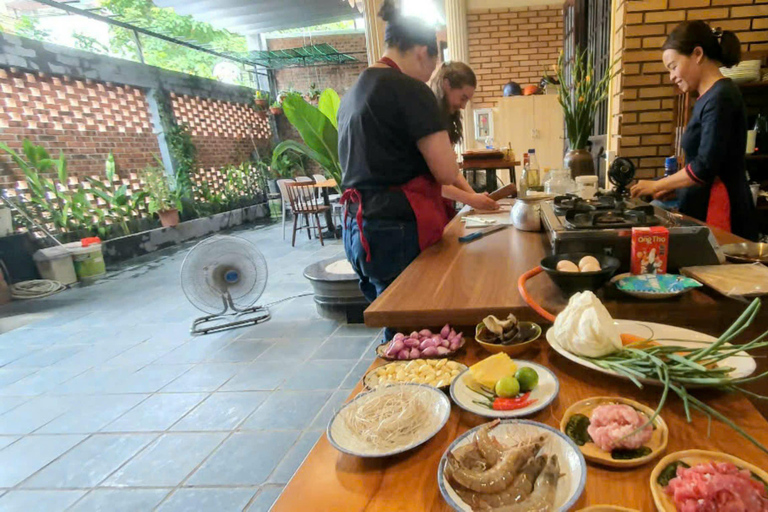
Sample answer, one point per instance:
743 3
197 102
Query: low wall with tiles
87 105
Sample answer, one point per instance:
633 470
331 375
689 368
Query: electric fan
621 173
225 276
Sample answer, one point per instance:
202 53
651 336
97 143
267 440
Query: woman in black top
713 185
397 158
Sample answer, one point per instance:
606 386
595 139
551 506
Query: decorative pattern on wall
214 118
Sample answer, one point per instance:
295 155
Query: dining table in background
333 230
490 166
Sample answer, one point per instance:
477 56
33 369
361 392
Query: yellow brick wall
518 44
644 98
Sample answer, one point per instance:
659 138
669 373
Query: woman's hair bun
730 49
388 11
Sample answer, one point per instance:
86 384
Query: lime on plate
507 387
527 378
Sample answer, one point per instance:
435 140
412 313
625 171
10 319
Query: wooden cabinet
531 122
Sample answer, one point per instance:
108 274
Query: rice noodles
390 420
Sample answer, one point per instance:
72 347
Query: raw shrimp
470 457
500 476
521 488
490 447
542 499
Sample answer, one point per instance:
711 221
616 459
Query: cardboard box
650 250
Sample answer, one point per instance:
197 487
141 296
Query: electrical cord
35 289
288 298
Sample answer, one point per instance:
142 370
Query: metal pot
526 214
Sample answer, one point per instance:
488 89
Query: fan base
223 322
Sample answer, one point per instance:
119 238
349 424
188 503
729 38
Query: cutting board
748 280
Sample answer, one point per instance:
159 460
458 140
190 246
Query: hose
527 298
35 289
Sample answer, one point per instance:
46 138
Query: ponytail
405 32
720 46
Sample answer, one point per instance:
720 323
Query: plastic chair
282 185
304 203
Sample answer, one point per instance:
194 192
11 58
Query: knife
479 234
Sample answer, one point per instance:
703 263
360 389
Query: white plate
573 468
544 393
343 440
743 364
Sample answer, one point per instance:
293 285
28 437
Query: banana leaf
328 104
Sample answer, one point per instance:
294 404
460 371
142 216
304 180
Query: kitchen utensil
505 191
572 282
664 502
529 333
573 467
480 234
559 182
748 252
591 452
732 280
544 393
742 363
586 186
345 441
526 215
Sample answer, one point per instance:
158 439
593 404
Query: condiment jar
559 182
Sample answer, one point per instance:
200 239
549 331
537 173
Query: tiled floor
108 404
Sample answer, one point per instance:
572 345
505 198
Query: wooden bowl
664 502
516 348
657 443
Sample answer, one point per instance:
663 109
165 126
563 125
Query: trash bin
88 259
56 264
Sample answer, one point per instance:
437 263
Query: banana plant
122 207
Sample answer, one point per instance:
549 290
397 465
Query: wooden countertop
332 481
460 284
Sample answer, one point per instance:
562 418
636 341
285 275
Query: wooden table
490 166
454 288
333 230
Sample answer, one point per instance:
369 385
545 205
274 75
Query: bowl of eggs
577 272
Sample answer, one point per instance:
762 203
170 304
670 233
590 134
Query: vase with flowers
580 95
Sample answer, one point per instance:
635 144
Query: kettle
525 214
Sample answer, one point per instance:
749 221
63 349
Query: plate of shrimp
512 466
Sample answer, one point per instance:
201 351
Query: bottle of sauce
522 189
534 175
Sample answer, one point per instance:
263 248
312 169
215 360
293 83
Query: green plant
318 128
261 95
581 95
122 207
276 104
161 189
290 92
284 165
314 93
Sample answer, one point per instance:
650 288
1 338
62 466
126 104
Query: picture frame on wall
483 124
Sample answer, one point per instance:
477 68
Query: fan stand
224 321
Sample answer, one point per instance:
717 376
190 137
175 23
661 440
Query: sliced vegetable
627 454
512 404
670 472
576 429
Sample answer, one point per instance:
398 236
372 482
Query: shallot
429 342
404 354
425 332
411 342
399 336
429 352
445 331
423 343
441 351
414 334
415 353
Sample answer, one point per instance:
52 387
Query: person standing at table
454 85
712 187
397 158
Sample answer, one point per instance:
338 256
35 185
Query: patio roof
261 16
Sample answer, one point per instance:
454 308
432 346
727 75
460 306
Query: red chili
511 404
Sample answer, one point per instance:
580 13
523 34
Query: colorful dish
432 410
423 344
572 475
585 408
539 397
438 373
665 469
655 286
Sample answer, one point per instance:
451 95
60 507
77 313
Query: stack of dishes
746 71
765 75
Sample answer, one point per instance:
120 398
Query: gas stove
604 226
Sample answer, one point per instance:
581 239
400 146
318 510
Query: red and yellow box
650 250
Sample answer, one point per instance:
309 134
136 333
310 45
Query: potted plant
580 95
313 94
164 196
261 100
276 108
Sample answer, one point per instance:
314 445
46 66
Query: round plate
515 348
545 392
749 252
656 285
370 380
573 468
343 440
381 352
607 508
664 502
743 363
657 443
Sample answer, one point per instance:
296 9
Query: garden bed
130 246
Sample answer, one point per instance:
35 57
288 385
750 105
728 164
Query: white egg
590 261
567 266
591 267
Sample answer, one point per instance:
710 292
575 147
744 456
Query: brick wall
646 96
85 119
223 132
518 44
339 78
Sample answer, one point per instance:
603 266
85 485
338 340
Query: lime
507 387
528 378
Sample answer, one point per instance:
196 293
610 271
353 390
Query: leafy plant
261 95
314 93
286 164
318 128
276 104
161 189
580 95
122 207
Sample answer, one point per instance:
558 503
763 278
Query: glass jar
559 182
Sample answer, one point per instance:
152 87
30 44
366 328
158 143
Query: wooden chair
303 202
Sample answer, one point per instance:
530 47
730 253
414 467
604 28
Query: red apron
719 211
425 196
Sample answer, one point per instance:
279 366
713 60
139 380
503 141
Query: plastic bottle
522 188
534 175
489 142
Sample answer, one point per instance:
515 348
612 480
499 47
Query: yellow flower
581 99
589 78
